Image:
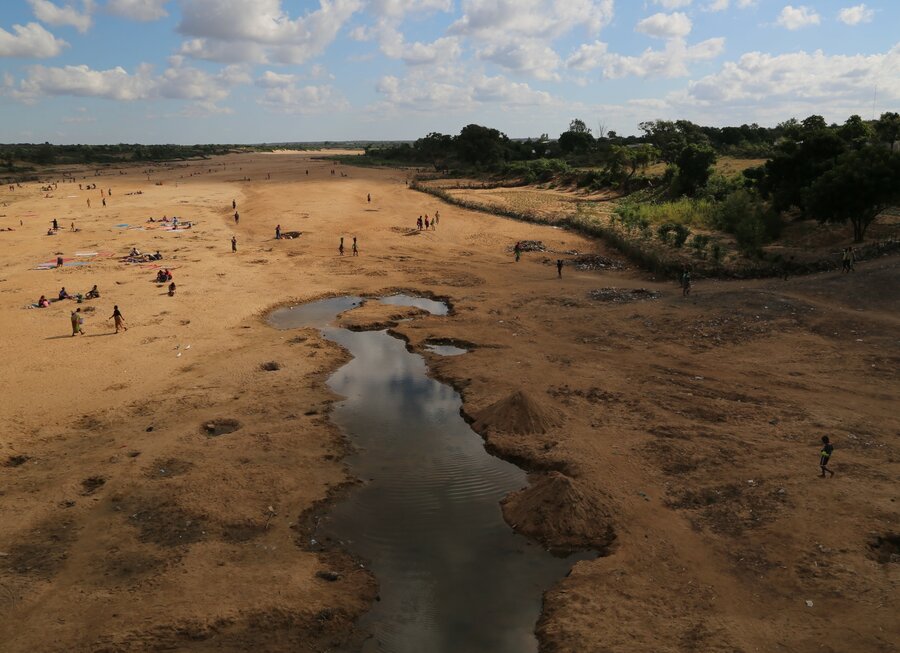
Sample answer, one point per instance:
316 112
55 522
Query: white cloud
814 78
47 12
397 9
271 79
492 19
794 18
527 57
665 26
671 62
717 5
261 26
855 15
177 82
394 45
673 4
290 98
501 90
518 35
141 10
30 41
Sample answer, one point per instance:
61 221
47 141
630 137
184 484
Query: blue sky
244 71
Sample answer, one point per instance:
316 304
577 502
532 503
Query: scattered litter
809 603
622 295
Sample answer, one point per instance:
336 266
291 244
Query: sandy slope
688 428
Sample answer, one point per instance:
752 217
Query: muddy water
446 350
453 575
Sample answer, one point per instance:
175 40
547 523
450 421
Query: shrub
681 234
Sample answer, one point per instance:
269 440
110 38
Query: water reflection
453 575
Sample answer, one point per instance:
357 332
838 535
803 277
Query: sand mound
517 413
559 514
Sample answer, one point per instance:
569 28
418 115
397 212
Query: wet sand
684 437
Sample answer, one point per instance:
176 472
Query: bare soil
679 435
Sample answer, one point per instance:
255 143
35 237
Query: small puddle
453 575
446 350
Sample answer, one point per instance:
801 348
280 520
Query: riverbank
687 426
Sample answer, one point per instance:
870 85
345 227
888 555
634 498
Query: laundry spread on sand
52 264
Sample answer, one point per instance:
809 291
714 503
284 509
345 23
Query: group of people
77 319
426 224
354 248
848 258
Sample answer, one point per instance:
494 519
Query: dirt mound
559 514
585 262
517 413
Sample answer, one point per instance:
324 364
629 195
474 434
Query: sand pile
560 514
517 413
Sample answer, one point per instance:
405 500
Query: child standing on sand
341 247
233 244
825 455
354 249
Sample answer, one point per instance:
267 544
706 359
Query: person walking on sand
118 319
354 249
104 201
233 244
825 456
437 217
686 282
517 250
89 202
369 197
56 224
237 217
277 232
77 322
559 266
233 204
341 247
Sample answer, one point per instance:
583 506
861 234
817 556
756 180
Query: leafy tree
856 131
481 145
797 164
624 162
861 185
666 136
577 138
694 168
887 127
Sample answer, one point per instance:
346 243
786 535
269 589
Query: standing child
355 250
233 244
77 322
825 455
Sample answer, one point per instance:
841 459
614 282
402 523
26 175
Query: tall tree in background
862 184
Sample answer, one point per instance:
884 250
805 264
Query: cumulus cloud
665 26
855 15
528 57
394 45
52 14
177 82
492 19
794 18
673 4
717 5
673 61
291 98
261 26
455 91
806 77
397 9
30 41
140 10
518 35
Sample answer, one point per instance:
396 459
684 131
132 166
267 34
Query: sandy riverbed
678 434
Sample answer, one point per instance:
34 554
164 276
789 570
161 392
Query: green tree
694 168
887 127
577 138
481 145
862 184
667 138
856 131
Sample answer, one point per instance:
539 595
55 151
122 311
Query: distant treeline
48 154
834 173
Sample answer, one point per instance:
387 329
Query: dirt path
132 521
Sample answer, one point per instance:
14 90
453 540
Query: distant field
725 165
